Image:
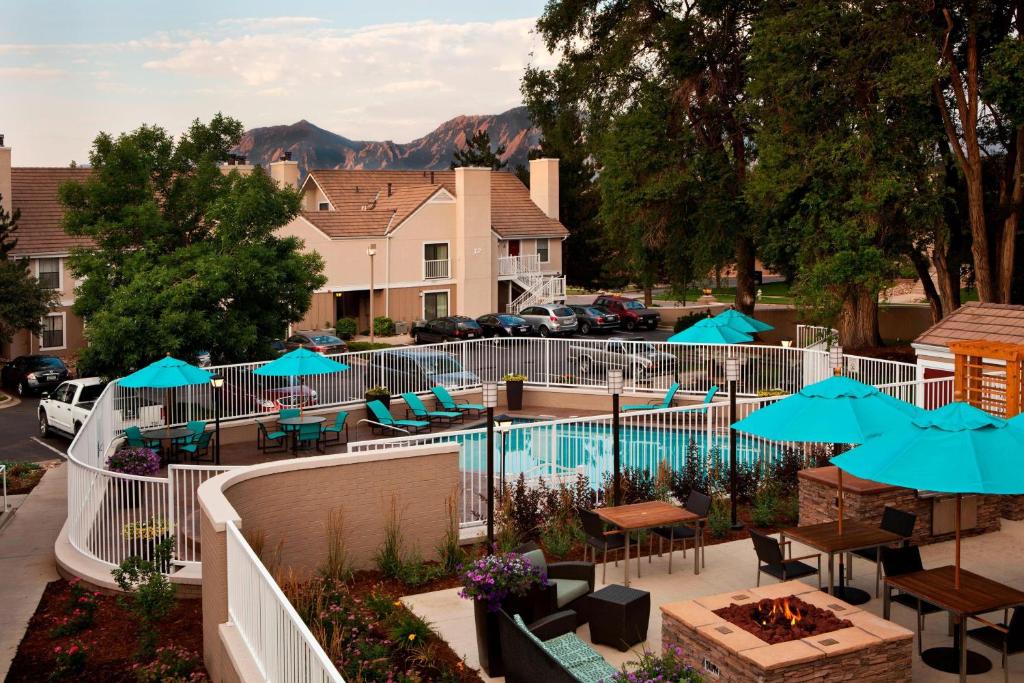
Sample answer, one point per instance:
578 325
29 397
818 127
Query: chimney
431 177
5 176
389 189
476 285
285 172
544 185
236 162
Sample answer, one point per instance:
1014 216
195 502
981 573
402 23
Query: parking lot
19 435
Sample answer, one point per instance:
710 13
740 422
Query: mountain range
314 147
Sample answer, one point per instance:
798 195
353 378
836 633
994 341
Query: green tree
185 257
477 152
848 175
23 301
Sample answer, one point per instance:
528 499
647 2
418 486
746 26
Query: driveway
20 441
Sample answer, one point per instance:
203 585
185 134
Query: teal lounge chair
309 436
707 399
384 420
655 405
445 400
199 448
337 428
415 406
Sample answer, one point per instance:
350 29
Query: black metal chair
905 560
895 521
600 539
699 504
771 561
1007 638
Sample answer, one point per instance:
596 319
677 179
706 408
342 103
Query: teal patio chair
197 427
199 448
445 400
665 402
340 425
309 436
414 405
134 438
266 441
384 420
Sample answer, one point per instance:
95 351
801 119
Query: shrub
381 605
719 519
763 511
346 328
415 572
172 665
142 462
152 529
449 551
692 476
70 660
377 392
149 596
383 326
787 510
784 474
559 537
524 513
513 377
407 630
670 666
686 321
638 485
80 611
390 557
493 578
336 565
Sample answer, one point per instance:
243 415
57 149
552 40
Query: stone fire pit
871 649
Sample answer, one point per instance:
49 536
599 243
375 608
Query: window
49 272
542 250
53 332
435 260
435 305
323 206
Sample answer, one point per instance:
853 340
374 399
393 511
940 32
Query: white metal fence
434 269
280 642
815 337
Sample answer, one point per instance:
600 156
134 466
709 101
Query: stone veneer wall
818 504
288 502
885 661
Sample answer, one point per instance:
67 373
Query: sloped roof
34 193
513 213
974 320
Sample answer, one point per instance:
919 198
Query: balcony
515 265
436 269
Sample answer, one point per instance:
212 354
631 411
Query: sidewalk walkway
26 558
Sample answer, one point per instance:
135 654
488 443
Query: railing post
547 361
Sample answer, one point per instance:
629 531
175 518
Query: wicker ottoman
618 616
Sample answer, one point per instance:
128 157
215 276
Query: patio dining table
976 595
292 424
825 537
648 515
168 437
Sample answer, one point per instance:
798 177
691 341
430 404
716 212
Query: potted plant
143 538
142 462
490 583
379 393
514 390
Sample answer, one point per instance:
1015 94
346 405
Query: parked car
635 356
33 374
321 341
278 347
66 407
595 319
411 369
254 394
449 328
504 325
550 319
633 315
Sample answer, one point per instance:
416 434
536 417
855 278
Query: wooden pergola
988 375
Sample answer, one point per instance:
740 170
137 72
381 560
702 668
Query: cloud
270 22
30 72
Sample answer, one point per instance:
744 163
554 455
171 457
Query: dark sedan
449 328
33 374
321 341
504 325
595 319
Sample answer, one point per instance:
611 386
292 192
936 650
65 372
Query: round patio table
292 424
167 436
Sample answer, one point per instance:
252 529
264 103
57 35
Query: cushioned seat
790 570
568 590
573 655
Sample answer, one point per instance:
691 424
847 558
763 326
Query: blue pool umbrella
166 373
954 449
710 331
742 322
299 363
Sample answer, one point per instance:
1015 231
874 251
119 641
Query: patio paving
732 566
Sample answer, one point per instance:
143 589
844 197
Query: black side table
618 616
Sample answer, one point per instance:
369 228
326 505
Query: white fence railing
515 265
183 502
435 269
815 337
278 640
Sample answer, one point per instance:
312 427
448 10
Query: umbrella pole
956 573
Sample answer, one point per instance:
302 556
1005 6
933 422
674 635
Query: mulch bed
110 641
21 481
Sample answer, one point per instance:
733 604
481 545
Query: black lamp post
503 424
615 384
732 375
217 382
490 397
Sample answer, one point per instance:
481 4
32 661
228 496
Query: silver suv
550 319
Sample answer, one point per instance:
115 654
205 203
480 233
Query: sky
389 70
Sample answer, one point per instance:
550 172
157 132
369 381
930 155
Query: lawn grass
771 293
369 346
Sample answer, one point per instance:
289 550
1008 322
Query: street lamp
371 251
503 424
835 359
732 375
615 384
490 397
217 382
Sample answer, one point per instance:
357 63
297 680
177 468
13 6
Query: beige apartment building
463 242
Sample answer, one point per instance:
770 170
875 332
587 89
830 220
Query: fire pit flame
779 613
782 619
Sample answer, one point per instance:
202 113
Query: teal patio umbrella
954 449
742 322
710 331
167 373
300 363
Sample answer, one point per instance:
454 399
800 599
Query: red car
633 315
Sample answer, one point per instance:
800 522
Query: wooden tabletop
826 537
645 515
164 433
304 420
977 594
829 476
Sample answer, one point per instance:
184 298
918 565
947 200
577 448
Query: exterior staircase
537 287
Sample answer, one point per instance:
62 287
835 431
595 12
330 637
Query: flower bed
22 477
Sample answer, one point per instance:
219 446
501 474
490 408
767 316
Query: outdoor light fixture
732 369
371 251
490 399
615 384
732 375
490 390
835 358
217 383
503 424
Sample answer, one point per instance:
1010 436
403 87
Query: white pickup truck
65 408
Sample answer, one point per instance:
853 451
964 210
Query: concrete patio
732 566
